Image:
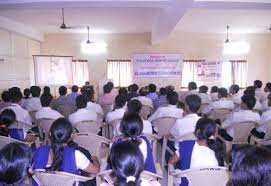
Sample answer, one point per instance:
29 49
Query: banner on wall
209 70
157 65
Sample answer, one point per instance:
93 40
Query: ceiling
159 17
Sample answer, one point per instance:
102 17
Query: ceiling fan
63 25
88 41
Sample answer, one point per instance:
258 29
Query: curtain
80 72
227 79
120 72
239 72
190 72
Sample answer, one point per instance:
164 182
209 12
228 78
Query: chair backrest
107 108
221 114
116 127
203 105
242 131
267 127
188 136
164 124
44 125
33 116
96 145
58 178
64 109
145 111
211 176
6 140
88 126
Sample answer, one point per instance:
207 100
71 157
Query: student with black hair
132 92
118 111
214 93
203 152
46 111
123 91
162 98
245 114
82 113
92 106
251 166
152 92
72 97
143 97
187 124
169 110
15 163
251 91
63 154
131 128
205 97
127 164
107 98
260 95
5 102
33 104
222 103
235 96
47 91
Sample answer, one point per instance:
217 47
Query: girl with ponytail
203 152
63 154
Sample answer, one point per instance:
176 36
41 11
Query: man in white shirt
169 110
222 103
234 95
205 97
22 115
118 111
244 115
187 124
46 111
260 95
192 89
82 113
143 99
214 93
33 103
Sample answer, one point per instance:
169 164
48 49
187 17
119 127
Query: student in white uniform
169 110
82 113
192 89
222 103
244 115
234 95
187 124
205 97
33 104
119 110
46 111
143 99
214 93
251 91
260 95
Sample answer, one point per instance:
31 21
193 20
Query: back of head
214 89
258 84
81 102
131 125
152 88
127 163
250 91
45 100
192 86
75 88
35 91
15 95
193 102
123 90
170 88
7 117
134 106
60 134
203 89
251 166
163 91
106 89
27 92
111 85
234 89
249 101
46 90
134 88
62 91
120 100
15 159
222 92
143 91
172 98
267 87
5 96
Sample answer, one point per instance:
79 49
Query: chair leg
164 152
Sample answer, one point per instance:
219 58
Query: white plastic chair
89 126
220 114
44 125
267 135
6 140
145 111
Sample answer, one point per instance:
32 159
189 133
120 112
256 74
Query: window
80 71
120 72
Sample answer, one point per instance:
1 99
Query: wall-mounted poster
209 70
157 65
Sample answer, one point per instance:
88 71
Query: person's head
81 102
172 98
75 88
170 88
222 93
120 101
143 91
106 89
131 125
203 89
35 91
214 89
16 96
248 102
163 91
269 99
27 93
267 87
152 88
192 103
5 96
192 86
15 160
134 106
7 117
123 90
46 90
60 134
127 163
87 83
62 91
250 91
45 100
251 166
134 88
258 84
234 89
89 94
111 85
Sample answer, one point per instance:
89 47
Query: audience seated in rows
27 94
33 103
143 92
205 97
259 93
235 96
72 98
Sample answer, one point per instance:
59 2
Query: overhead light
94 48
